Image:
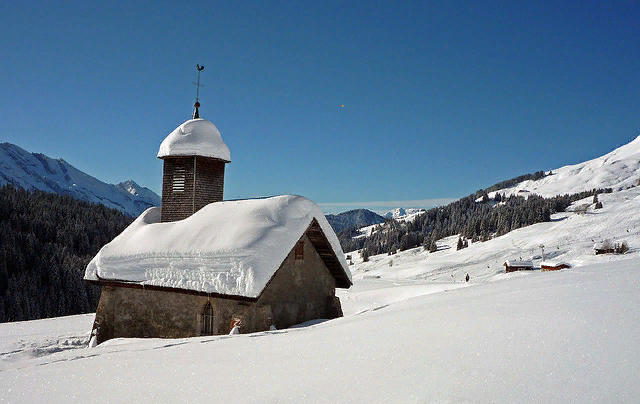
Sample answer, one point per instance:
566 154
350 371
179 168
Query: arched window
206 320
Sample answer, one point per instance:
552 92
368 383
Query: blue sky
441 98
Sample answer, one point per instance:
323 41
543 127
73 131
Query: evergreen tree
46 242
365 255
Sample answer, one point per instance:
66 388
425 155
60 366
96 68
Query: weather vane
196 114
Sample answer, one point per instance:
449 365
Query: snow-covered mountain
404 215
36 171
619 169
401 213
353 218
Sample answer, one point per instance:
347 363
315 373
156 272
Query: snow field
545 337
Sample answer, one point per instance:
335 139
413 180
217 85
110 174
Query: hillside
353 218
46 242
568 237
35 171
618 170
531 199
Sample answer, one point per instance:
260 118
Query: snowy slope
568 237
398 214
402 213
568 336
36 171
618 170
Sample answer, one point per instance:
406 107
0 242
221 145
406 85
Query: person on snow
467 278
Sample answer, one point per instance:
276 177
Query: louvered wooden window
179 178
300 250
206 320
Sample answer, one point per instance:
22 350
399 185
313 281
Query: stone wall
301 290
143 313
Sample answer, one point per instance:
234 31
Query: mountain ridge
353 218
36 171
618 169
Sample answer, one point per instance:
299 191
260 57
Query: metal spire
196 114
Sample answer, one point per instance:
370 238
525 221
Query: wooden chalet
553 266
519 265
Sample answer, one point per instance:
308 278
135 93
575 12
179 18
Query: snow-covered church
200 265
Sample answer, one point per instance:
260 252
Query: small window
300 250
179 178
206 320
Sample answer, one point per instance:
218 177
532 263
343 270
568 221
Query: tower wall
188 184
209 181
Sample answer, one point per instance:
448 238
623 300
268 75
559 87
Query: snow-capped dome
195 137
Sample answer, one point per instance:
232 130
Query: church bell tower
194 158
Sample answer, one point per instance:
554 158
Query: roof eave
136 285
193 155
328 255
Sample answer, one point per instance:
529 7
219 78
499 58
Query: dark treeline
514 181
46 242
475 221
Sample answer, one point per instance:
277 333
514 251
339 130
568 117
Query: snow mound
195 137
230 248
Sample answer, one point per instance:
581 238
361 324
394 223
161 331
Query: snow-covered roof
229 248
519 263
554 264
195 137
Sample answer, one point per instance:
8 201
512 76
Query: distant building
200 265
605 247
519 265
553 266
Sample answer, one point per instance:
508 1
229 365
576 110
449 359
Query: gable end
322 245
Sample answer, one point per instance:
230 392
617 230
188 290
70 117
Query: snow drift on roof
195 137
230 248
554 264
518 263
